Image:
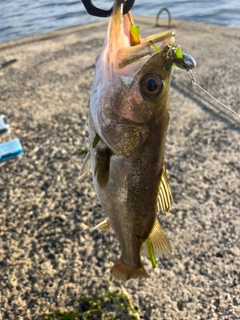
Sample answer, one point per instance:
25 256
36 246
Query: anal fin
164 201
159 241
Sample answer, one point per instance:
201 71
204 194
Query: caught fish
128 122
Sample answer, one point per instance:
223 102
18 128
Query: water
21 18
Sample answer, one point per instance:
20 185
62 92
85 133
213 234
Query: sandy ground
50 254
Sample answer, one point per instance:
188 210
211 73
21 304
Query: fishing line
194 82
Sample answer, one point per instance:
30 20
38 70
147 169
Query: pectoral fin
86 166
159 241
102 165
164 201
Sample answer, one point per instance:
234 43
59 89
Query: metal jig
186 62
97 12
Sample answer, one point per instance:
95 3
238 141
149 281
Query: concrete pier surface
50 254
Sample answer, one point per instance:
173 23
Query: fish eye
151 86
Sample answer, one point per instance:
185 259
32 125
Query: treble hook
94 11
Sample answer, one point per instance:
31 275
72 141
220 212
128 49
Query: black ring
94 11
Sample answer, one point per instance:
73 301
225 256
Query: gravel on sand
50 254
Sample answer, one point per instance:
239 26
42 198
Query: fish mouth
118 35
120 25
121 51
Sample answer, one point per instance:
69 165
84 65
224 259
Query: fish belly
129 199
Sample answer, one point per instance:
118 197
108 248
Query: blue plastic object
10 149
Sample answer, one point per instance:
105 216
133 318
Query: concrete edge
190 26
49 35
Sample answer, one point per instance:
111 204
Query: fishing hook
94 11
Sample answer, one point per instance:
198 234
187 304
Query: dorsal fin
159 241
86 166
164 201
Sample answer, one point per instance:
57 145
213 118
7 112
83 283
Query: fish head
131 83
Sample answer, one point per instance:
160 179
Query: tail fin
125 272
